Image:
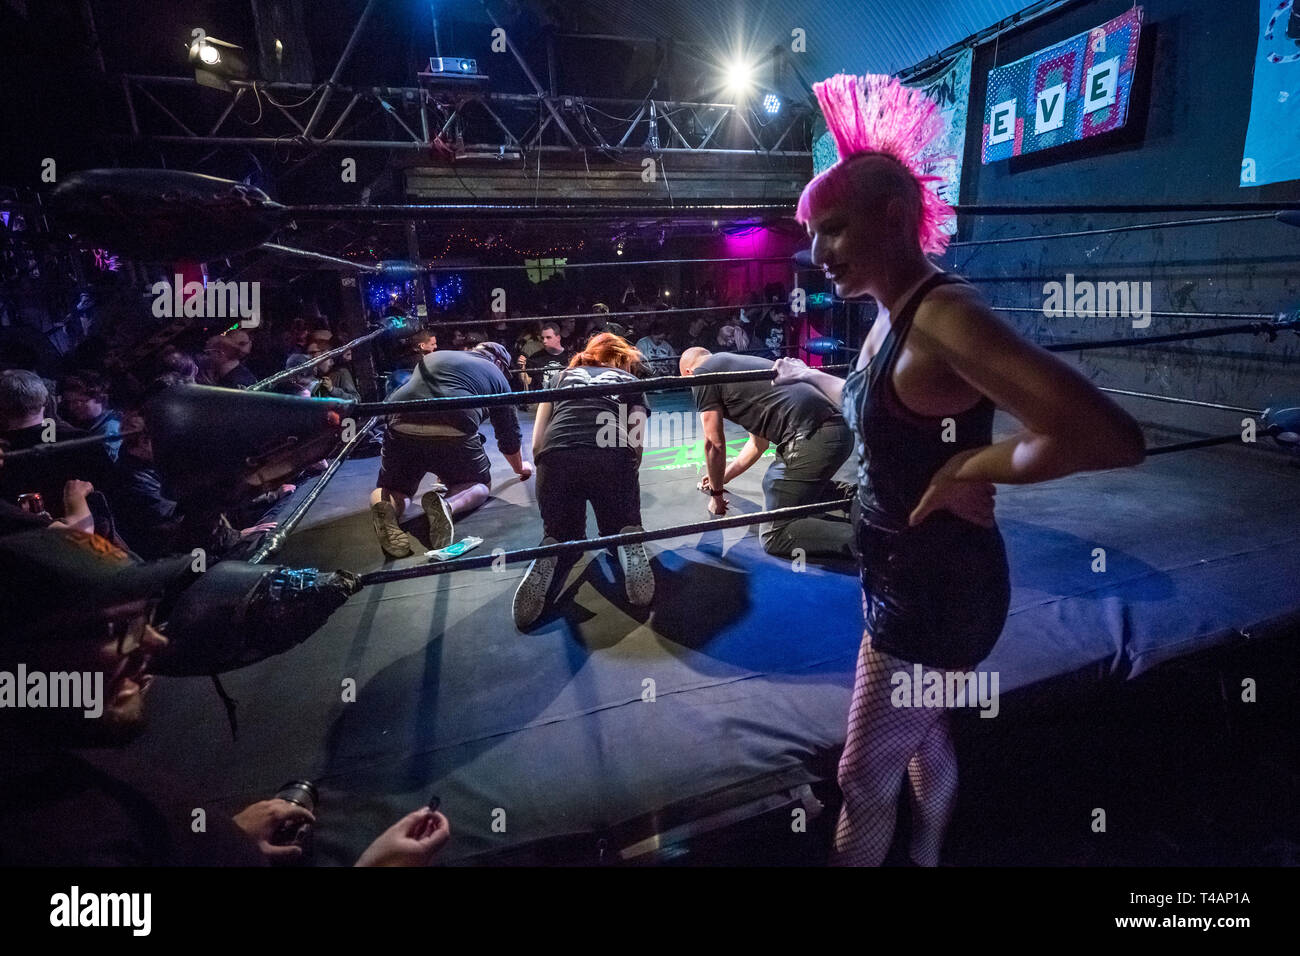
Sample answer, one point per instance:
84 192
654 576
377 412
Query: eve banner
1078 88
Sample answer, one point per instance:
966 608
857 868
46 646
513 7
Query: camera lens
301 792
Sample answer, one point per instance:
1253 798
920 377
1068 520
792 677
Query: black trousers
568 478
803 474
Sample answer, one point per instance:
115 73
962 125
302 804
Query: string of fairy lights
493 243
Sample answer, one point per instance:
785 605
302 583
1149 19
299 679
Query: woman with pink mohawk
920 400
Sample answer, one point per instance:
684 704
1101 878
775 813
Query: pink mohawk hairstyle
876 114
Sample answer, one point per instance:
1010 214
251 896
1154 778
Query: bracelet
718 494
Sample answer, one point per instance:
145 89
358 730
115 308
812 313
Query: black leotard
936 594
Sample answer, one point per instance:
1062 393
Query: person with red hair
920 400
588 449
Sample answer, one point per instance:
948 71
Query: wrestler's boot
395 542
638 576
441 530
533 590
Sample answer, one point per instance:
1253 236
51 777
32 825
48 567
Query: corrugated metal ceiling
859 36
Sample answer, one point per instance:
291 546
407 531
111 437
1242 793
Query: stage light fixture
217 62
740 77
452 70
771 104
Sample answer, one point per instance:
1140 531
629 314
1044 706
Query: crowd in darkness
554 328
90 390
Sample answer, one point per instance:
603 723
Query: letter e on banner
1100 86
1002 123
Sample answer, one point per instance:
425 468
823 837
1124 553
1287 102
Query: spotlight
740 76
216 62
771 104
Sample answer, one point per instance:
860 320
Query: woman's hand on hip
971 500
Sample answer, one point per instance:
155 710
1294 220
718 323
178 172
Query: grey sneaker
533 590
638 576
395 542
441 530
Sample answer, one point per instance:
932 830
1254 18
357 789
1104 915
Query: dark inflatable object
826 345
236 614
161 214
218 447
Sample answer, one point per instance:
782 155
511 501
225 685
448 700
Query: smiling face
853 247
125 657
116 648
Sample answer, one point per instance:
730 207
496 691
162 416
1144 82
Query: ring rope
658 384
313 362
1136 227
592 544
275 540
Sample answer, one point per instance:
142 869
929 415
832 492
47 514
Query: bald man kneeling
812 442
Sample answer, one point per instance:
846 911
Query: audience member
60 809
84 404
656 346
548 361
222 363
24 424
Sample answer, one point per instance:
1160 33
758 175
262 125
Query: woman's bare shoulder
955 312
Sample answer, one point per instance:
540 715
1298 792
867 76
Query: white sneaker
638 576
395 542
441 529
533 590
